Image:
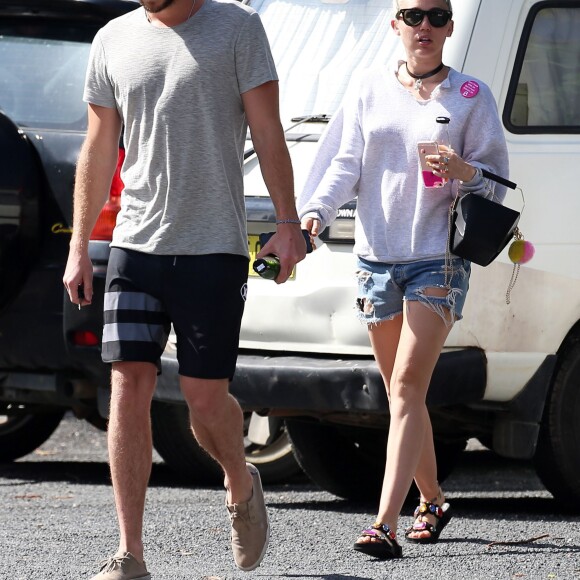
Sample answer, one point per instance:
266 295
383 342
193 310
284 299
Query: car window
543 96
42 73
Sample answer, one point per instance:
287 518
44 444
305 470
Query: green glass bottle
267 267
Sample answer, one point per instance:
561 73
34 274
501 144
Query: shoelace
235 514
111 564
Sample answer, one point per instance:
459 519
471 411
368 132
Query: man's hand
289 245
78 275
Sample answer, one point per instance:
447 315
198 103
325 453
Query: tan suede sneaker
125 567
250 527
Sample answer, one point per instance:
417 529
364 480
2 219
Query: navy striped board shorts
202 296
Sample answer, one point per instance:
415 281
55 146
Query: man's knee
133 380
205 397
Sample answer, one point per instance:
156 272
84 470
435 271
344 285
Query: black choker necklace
419 78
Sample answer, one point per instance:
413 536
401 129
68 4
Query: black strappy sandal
384 545
442 513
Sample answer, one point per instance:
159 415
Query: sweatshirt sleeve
333 177
484 147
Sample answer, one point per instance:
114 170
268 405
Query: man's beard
147 5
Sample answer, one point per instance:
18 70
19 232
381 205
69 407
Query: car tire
349 461
21 433
558 449
175 443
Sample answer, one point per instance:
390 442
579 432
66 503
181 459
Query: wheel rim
12 422
275 448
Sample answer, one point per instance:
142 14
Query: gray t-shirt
178 91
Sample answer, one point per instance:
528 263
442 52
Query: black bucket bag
481 228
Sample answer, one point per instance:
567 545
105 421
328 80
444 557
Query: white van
509 374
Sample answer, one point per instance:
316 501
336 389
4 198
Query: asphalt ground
57 521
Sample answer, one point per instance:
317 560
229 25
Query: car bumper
285 384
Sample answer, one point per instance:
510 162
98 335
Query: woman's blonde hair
396 7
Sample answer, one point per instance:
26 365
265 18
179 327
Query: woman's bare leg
406 350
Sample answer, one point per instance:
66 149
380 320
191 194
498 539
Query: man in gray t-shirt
182 80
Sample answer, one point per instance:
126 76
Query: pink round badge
469 89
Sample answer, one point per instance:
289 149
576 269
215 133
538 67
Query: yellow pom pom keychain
520 252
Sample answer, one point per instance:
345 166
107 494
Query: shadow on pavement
79 472
505 486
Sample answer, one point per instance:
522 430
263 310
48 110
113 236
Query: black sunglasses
414 16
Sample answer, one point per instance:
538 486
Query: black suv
50 359
44 49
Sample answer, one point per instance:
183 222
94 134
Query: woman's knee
406 388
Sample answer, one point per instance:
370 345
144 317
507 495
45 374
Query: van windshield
317 46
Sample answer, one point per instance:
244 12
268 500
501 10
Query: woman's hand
449 165
312 224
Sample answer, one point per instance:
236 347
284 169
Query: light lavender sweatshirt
369 150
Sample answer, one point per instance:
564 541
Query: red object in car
107 219
85 338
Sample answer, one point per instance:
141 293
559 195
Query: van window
543 94
318 44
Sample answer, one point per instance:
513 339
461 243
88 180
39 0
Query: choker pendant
419 78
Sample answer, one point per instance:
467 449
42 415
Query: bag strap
503 181
489 175
515 271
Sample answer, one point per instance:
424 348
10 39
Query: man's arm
262 111
95 168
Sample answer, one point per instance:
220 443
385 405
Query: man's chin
155 6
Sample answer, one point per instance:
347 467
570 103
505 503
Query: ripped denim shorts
383 288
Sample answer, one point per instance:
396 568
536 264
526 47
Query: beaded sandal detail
441 513
383 546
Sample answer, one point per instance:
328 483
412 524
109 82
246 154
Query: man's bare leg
130 448
218 425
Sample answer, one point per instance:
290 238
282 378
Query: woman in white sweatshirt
411 291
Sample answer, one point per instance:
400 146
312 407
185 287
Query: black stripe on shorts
135 327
